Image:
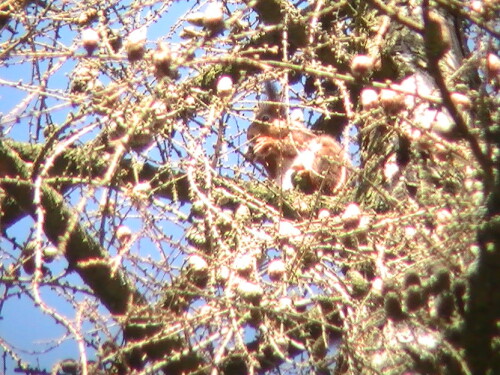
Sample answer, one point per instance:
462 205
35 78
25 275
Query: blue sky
32 333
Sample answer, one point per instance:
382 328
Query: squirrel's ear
272 92
274 111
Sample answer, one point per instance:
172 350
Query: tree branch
84 255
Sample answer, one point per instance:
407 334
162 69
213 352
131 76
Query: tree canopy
133 216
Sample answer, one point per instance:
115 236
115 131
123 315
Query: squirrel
291 154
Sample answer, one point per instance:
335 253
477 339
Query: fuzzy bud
205 310
391 100
477 6
445 306
123 234
162 60
442 124
242 213
134 44
360 286
196 18
392 307
190 101
141 190
250 291
190 32
377 285
197 264
115 40
461 100
391 168
69 366
323 214
50 253
222 274
443 216
414 298
411 278
225 86
244 264
362 65
213 17
84 79
410 232
439 282
351 216
197 270
12 272
276 269
90 40
369 99
493 64
364 222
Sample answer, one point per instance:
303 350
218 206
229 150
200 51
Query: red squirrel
292 155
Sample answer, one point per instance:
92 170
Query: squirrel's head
269 116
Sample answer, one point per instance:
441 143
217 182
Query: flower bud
123 234
287 229
87 17
461 100
377 285
190 101
391 100
90 40
443 216
222 274
162 60
196 18
134 44
369 99
391 168
351 216
244 264
213 17
276 269
83 79
249 291
477 6
493 64
225 86
442 124
50 253
197 270
285 303
189 32
197 263
362 65
323 214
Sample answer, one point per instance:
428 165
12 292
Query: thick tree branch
83 254
76 165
